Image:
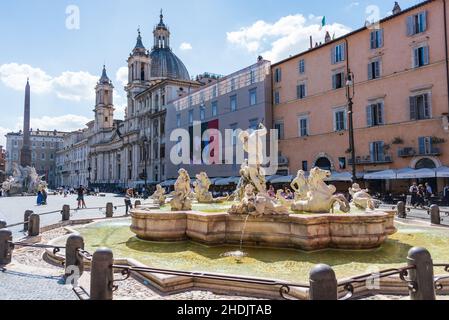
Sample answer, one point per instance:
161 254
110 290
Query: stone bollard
109 210
65 212
72 257
137 203
6 247
34 225
26 217
422 275
323 283
435 216
401 212
102 275
3 224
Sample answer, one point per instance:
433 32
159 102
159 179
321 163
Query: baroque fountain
253 218
24 180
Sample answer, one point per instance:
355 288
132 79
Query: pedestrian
44 196
128 196
414 192
421 195
39 197
81 202
272 192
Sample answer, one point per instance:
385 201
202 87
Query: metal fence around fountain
323 284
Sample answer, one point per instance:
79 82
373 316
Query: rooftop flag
323 23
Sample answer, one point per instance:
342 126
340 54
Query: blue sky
219 36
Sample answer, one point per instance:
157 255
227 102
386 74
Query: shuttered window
417 23
377 39
301 91
338 80
420 56
375 114
338 53
377 153
374 70
420 107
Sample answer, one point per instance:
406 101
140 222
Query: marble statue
159 195
300 186
24 180
252 189
361 198
181 196
320 197
201 187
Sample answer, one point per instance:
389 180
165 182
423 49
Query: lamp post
89 178
145 144
350 93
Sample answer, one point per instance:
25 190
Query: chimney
396 9
311 42
327 38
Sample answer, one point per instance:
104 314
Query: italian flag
323 23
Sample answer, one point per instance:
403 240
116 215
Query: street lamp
350 93
89 178
145 144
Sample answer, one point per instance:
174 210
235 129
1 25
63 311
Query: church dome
165 64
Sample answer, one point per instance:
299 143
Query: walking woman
128 196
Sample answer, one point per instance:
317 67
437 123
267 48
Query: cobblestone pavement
29 277
422 214
12 209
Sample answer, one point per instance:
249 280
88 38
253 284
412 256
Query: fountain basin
299 231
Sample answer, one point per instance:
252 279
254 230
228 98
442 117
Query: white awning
227 181
168 183
214 180
282 179
443 172
340 176
409 173
381 175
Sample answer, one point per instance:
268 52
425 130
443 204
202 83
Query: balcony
411 152
381 159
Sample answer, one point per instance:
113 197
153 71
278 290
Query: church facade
130 152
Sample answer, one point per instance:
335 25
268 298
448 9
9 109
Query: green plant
436 140
397 140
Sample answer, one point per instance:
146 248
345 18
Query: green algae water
288 265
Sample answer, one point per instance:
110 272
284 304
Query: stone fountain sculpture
201 187
24 180
181 196
252 190
361 198
320 197
159 195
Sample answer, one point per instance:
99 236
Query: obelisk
25 153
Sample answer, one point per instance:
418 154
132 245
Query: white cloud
352 5
66 123
122 76
15 76
289 35
74 86
185 46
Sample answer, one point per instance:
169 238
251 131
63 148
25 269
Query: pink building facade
400 99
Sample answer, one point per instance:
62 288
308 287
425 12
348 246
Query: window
338 53
33 156
342 163
374 71
178 120
420 56
234 133
202 113
305 166
301 91
233 102
377 39
302 66
420 107
190 116
277 75
232 84
252 97
42 156
425 145
252 76
279 126
277 98
214 92
105 119
375 114
417 23
340 119
303 126
338 80
377 151
214 108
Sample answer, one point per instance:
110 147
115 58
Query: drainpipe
447 53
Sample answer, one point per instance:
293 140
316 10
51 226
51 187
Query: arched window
425 163
323 163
